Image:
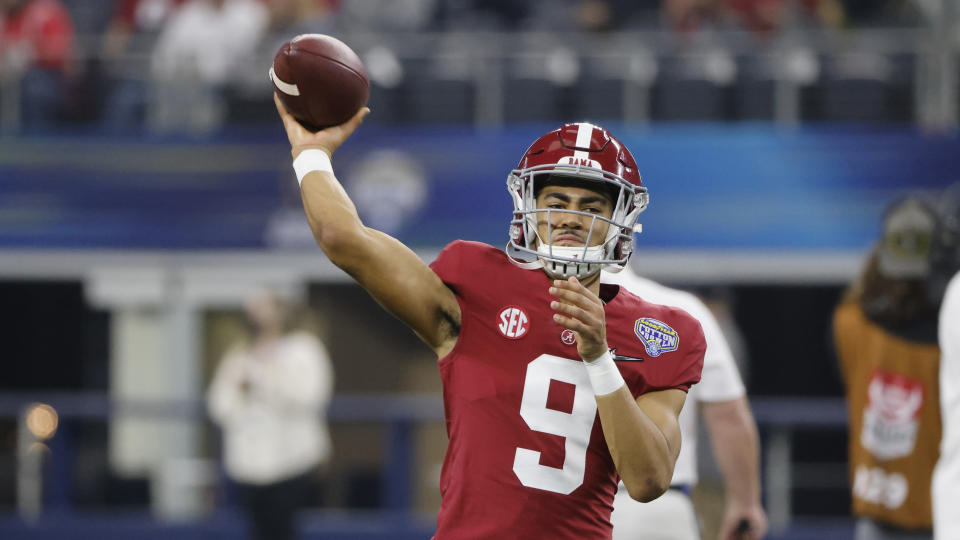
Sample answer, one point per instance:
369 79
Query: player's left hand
578 309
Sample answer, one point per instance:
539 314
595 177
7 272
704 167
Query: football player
553 384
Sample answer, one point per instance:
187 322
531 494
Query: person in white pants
721 398
946 476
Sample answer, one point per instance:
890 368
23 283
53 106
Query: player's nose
569 220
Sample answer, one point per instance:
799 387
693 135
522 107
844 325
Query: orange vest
893 404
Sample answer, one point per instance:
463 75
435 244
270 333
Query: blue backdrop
712 187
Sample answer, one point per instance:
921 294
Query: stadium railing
779 419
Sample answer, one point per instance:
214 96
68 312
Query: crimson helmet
589 154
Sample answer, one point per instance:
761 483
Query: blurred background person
759 16
125 51
202 44
885 332
721 397
36 53
269 395
946 476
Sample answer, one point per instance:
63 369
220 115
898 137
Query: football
320 80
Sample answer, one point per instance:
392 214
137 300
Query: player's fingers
575 312
573 284
354 123
576 299
290 124
281 108
584 328
576 296
571 323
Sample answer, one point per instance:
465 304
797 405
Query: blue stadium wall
730 187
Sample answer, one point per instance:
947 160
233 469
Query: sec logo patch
513 322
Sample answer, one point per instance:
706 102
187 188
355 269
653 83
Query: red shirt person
36 34
542 416
36 52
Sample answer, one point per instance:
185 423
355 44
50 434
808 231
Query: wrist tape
604 375
311 160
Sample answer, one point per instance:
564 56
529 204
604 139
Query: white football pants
670 517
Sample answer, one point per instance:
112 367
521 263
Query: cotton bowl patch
657 336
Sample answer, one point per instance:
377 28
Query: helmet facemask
527 249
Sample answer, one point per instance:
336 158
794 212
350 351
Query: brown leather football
320 80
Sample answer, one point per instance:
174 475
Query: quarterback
555 385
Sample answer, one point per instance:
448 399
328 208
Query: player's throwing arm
387 269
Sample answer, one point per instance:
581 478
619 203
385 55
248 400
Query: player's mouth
568 239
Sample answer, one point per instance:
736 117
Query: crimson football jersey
526 455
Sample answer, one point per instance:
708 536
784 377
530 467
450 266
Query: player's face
263 312
569 229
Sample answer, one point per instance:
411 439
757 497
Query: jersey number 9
574 426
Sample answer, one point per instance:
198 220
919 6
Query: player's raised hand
578 309
328 139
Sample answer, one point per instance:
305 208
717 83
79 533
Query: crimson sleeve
683 372
448 264
689 375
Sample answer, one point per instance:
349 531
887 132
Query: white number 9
575 426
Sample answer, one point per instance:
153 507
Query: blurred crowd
69 62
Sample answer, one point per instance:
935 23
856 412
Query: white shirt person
946 476
271 409
269 397
721 398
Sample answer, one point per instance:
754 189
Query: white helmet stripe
584 136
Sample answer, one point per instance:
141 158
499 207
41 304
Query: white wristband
604 375
309 161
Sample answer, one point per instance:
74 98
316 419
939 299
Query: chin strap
515 255
560 269
563 269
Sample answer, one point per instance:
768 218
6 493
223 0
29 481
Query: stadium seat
755 89
693 87
387 76
538 80
599 92
440 90
866 87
